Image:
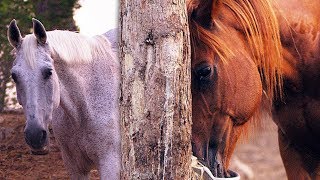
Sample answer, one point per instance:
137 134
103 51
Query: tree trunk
155 98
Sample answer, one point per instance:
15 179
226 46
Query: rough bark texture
155 91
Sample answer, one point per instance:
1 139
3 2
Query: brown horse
236 57
298 113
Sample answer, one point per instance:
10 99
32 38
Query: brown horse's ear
202 12
39 31
14 35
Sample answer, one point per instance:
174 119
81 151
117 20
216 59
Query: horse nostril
36 138
43 137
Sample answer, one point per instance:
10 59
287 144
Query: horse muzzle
217 167
212 158
37 139
218 172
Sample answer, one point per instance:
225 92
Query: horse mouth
41 151
230 175
225 174
219 171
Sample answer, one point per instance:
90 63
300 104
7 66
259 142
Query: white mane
68 46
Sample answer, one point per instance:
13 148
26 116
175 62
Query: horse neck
86 88
300 37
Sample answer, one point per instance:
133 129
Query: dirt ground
16 161
259 157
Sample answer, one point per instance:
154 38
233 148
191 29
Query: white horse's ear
14 35
39 31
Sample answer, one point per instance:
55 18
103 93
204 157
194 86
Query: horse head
36 83
230 69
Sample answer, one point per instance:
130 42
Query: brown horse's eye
204 72
204 76
47 73
14 77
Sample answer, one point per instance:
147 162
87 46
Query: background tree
54 14
9 9
155 95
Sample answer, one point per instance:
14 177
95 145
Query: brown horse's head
235 57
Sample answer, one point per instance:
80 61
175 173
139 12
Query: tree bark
155 98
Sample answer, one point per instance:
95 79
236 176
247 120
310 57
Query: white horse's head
36 82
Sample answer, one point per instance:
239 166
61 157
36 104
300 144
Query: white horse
71 81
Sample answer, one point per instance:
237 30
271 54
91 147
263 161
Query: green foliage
54 14
23 12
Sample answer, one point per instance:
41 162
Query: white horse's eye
47 73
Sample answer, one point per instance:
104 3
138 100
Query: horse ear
202 12
39 31
14 35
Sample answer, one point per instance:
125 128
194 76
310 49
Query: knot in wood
150 39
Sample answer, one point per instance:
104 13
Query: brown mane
261 30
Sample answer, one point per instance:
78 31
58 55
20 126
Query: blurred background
255 158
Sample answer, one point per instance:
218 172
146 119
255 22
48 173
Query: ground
258 157
16 161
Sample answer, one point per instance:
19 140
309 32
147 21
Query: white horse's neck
86 89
